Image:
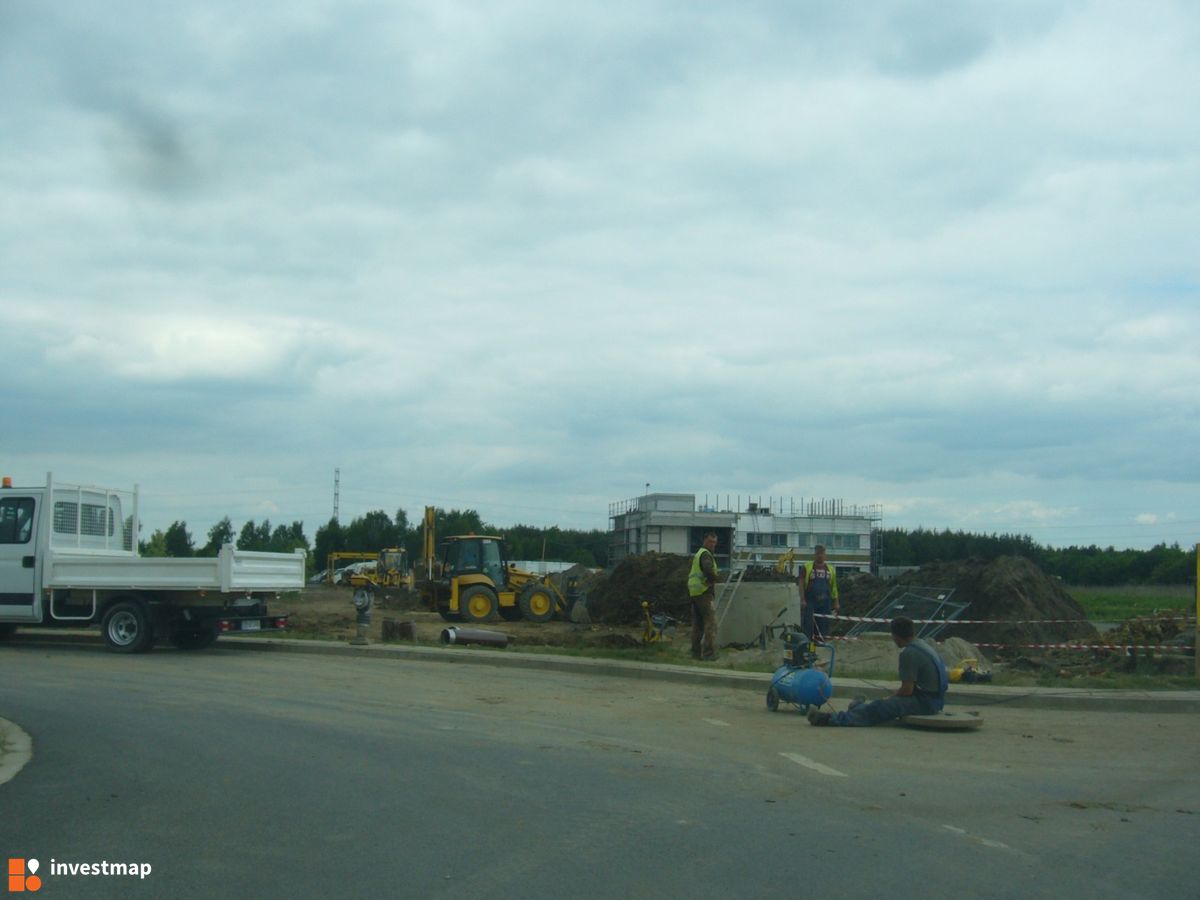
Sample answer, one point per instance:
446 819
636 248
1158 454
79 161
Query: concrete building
749 532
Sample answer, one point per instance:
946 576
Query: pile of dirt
1026 605
659 579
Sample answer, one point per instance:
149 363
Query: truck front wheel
127 628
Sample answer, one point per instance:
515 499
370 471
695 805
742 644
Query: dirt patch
327 612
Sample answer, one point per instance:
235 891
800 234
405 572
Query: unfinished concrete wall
757 604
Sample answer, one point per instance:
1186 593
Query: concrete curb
16 749
844 688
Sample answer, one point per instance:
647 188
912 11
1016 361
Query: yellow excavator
786 561
391 570
469 578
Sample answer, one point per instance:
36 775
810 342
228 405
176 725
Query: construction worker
819 595
701 578
922 692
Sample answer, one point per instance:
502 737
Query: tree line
377 531
1092 565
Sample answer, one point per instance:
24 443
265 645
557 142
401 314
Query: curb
16 749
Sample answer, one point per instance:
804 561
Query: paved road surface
270 775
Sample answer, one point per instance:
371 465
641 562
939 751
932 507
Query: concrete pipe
455 635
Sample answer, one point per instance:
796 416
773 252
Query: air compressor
798 681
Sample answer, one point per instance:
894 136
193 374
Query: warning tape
990 621
1175 648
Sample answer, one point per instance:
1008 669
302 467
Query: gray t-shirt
916 666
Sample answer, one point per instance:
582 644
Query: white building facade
749 533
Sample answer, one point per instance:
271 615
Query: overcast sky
527 257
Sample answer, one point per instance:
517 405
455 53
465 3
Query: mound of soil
659 579
1028 605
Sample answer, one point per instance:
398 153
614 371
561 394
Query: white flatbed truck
69 558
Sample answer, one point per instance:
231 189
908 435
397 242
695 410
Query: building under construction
749 532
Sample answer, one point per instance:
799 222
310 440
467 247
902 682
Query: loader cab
475 555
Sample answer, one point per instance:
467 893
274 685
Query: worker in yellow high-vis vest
819 596
701 578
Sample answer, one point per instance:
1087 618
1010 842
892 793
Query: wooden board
944 721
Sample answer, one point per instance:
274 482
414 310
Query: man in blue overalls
819 590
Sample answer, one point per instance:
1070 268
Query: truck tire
477 603
193 637
537 603
127 627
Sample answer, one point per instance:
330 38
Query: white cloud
532 253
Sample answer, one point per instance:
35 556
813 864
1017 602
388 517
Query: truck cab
18 555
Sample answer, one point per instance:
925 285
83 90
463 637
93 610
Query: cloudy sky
527 257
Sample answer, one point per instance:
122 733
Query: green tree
371 532
287 538
177 540
255 537
330 538
156 546
218 536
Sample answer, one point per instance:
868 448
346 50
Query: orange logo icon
18 881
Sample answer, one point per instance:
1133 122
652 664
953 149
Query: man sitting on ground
923 682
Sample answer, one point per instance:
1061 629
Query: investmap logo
22 876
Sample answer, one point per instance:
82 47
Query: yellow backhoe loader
469 578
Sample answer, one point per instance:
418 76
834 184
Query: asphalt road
270 775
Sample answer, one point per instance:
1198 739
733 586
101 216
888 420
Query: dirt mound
659 579
1027 605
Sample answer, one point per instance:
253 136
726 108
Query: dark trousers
886 710
704 625
811 622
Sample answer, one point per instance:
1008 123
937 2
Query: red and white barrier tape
1167 648
1176 648
985 621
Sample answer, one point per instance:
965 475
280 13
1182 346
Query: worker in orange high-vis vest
819 590
701 578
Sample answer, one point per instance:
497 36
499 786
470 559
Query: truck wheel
193 637
127 628
537 603
477 603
